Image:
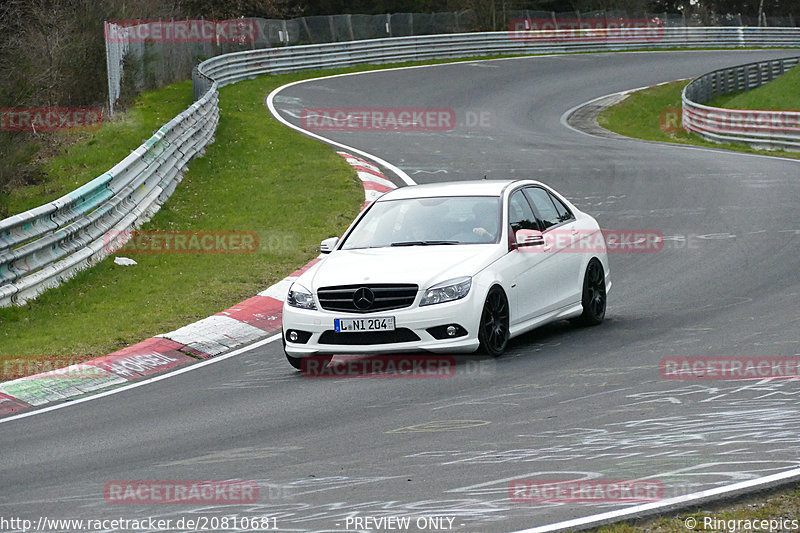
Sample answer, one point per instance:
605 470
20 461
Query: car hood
422 265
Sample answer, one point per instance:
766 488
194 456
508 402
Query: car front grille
368 337
367 298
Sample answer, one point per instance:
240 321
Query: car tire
593 296
493 332
297 362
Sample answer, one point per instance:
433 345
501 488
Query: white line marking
271 106
676 502
177 372
269 100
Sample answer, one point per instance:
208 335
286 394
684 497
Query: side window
544 206
564 213
520 214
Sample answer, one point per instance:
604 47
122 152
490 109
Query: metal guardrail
230 68
46 245
761 129
42 247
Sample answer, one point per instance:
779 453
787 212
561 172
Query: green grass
643 114
781 94
654 114
257 176
776 504
90 154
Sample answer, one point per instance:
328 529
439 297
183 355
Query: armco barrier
230 68
760 129
42 247
46 245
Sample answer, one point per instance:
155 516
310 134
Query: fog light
298 336
447 331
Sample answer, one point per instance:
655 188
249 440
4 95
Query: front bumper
411 330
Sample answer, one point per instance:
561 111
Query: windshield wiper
423 243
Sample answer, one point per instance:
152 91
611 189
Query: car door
529 296
563 274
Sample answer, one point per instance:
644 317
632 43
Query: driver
485 222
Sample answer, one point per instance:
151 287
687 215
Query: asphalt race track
563 403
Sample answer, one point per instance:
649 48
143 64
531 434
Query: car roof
455 188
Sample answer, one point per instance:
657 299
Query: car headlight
300 297
447 291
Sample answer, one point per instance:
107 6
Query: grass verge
654 114
782 504
86 155
781 94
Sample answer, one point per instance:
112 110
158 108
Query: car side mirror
529 237
328 245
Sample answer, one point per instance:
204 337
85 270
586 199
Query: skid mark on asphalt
420 171
495 399
500 487
234 455
668 448
727 471
436 426
258 374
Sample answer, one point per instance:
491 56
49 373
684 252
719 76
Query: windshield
428 221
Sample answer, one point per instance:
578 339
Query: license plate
346 325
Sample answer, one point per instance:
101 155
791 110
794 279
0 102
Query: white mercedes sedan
449 268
